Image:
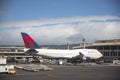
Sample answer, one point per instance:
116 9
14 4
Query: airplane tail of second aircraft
29 42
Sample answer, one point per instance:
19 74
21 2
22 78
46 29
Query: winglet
29 42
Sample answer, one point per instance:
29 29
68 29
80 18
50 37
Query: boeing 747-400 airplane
84 54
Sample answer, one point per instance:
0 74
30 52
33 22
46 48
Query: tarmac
65 72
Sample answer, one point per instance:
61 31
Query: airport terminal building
109 48
13 53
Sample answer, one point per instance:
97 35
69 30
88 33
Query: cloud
53 21
61 30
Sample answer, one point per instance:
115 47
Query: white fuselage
58 53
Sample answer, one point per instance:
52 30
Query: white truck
4 68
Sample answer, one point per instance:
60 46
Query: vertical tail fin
29 42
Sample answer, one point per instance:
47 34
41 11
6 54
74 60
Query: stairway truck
7 69
4 68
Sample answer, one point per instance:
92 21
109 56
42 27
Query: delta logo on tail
29 42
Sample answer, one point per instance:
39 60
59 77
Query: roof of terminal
102 43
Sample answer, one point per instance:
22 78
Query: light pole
83 43
68 46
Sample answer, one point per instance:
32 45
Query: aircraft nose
100 54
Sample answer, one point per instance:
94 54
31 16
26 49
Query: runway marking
49 75
20 74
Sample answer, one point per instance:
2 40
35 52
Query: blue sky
59 21
40 9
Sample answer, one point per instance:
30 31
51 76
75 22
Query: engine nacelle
88 59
